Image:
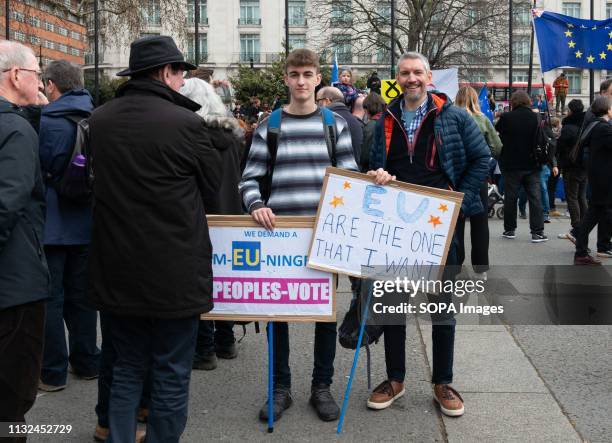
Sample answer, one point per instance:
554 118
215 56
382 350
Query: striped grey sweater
300 164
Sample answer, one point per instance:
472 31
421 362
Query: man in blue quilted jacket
423 139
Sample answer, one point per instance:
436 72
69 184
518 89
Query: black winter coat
599 167
156 173
24 277
231 149
355 126
567 140
517 130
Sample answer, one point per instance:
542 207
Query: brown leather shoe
385 394
450 401
101 433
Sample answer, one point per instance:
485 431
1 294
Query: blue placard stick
347 392
270 377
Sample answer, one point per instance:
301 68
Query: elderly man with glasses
24 278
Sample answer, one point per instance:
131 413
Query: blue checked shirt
411 128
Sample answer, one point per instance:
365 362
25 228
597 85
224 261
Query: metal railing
249 21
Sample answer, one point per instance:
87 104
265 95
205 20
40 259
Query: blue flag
573 42
483 101
334 73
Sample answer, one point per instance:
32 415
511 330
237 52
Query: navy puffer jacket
461 149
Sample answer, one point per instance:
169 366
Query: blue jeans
68 302
108 357
163 349
544 176
324 354
442 334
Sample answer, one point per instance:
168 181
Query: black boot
227 352
323 402
206 362
281 401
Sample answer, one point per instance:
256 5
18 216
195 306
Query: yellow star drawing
443 207
569 25
590 59
609 46
594 28
610 34
602 55
347 185
571 43
337 201
578 54
568 33
435 221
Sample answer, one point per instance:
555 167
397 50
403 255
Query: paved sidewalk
505 398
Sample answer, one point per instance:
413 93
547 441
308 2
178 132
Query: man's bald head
334 95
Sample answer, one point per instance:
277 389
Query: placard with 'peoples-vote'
361 225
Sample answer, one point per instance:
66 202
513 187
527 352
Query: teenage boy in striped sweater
302 156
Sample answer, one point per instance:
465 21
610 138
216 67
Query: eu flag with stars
573 42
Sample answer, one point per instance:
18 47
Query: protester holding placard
297 164
423 139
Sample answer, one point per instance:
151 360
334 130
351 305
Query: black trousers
512 183
575 182
479 234
22 332
596 214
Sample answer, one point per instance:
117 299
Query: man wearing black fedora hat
156 175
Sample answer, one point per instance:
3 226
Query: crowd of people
167 152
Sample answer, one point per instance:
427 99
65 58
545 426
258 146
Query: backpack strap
273 134
329 127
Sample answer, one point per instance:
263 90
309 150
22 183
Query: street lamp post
591 72
7 18
196 19
286 28
392 38
531 43
510 48
96 56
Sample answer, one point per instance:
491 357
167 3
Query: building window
572 9
473 16
384 14
191 12
19 36
49 44
383 54
341 14
297 41
476 77
75 51
148 34
75 35
574 78
608 10
341 43
151 13
68 3
34 21
520 51
249 13
297 12
62 31
63 48
35 40
203 47
249 48
18 16
520 76
477 49
49 27
521 15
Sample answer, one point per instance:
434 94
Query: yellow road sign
390 89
